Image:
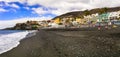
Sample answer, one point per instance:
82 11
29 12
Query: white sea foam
8 42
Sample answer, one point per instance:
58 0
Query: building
57 21
114 15
104 17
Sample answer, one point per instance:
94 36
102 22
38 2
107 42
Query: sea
10 39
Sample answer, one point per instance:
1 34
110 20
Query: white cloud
8 5
27 8
14 5
2 10
61 7
11 23
11 5
105 3
21 1
40 11
64 6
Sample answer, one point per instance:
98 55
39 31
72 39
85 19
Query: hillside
92 11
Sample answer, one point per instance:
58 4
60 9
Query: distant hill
92 11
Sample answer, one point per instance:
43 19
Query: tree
86 12
34 27
23 26
81 16
103 10
28 22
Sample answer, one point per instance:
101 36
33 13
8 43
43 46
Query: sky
17 11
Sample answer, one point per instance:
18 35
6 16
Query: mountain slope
92 11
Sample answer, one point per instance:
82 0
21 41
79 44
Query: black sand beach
66 43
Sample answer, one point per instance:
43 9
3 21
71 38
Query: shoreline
48 43
30 34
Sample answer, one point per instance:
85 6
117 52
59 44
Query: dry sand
63 43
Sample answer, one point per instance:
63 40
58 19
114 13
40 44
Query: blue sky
17 11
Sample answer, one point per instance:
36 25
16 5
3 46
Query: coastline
15 36
68 43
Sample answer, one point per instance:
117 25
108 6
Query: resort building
91 18
81 20
57 20
103 17
114 15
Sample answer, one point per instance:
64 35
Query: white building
92 17
54 25
114 15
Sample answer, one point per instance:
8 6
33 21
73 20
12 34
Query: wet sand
69 43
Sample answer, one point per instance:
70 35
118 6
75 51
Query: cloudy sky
13 11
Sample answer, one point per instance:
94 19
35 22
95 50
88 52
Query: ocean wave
8 42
